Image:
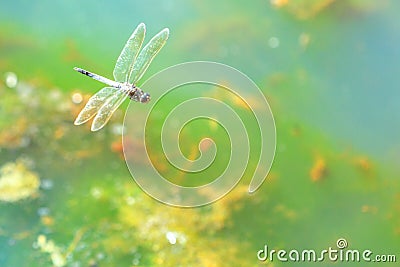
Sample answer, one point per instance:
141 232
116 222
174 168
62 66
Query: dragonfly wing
145 57
94 104
108 108
129 53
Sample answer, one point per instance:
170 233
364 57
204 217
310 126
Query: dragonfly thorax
138 95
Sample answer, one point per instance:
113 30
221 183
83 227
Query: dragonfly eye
144 98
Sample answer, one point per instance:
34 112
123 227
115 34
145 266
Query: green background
333 85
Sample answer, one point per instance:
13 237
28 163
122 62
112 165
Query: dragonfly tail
98 77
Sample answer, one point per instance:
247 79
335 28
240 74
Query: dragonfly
131 64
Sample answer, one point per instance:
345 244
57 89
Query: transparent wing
129 53
106 111
145 57
94 104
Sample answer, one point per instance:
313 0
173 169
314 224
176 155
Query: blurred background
329 69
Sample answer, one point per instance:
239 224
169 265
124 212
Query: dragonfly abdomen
98 78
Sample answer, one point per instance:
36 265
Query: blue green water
350 64
334 96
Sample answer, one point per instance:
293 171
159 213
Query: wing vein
147 54
129 54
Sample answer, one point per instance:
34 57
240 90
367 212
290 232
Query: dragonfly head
144 98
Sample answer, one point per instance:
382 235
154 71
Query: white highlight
11 79
273 42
